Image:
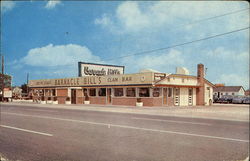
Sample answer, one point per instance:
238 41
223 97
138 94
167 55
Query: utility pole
27 83
2 79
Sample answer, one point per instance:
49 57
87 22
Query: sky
47 39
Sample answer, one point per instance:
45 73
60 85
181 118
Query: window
118 92
169 92
183 80
85 92
233 94
102 92
177 91
190 91
92 92
53 92
144 92
130 92
156 92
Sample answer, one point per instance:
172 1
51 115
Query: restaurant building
148 87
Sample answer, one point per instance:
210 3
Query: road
53 134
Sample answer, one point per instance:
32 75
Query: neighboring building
247 92
228 90
151 87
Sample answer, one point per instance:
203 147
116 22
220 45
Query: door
176 96
73 96
109 96
190 96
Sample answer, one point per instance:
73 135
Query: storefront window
118 92
144 92
92 92
102 92
53 92
85 92
130 92
156 92
169 92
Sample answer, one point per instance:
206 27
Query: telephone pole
2 78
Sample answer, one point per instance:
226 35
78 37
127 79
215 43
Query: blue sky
47 38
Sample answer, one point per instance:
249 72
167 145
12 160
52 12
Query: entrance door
190 96
109 98
165 96
176 96
73 96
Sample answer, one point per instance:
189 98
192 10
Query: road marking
129 127
184 122
31 131
38 110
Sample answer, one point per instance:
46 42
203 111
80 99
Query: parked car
225 99
246 100
238 99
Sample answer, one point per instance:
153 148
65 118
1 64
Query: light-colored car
238 99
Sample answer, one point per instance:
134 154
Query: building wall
98 100
62 94
173 80
126 101
241 92
194 96
208 94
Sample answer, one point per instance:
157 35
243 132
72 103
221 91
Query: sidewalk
220 111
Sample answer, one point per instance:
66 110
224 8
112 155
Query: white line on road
184 122
129 127
31 131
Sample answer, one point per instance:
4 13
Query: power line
209 18
205 19
181 44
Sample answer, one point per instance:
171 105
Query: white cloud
238 80
57 55
136 16
222 53
163 62
56 61
7 5
52 4
104 20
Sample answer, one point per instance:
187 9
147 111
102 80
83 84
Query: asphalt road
52 134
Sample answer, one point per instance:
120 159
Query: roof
228 89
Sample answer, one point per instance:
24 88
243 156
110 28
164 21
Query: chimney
200 92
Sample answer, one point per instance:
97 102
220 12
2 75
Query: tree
24 88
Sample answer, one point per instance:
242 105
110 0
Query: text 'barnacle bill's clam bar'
108 85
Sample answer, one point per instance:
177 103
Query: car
246 100
238 99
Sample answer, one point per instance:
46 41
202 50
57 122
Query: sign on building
91 69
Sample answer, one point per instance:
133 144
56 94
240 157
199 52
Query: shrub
49 98
42 98
68 99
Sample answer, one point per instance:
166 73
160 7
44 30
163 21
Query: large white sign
90 69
